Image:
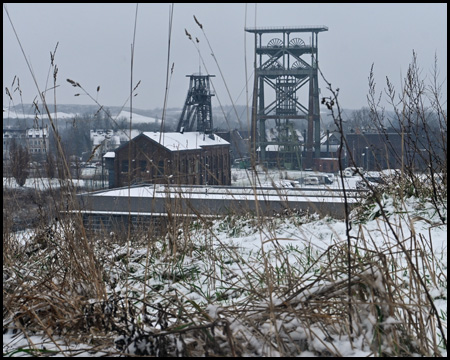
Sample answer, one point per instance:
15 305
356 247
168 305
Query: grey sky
95 47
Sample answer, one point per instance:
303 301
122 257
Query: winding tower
286 64
197 107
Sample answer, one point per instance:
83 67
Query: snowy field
42 184
221 276
240 177
286 179
137 119
313 238
7 114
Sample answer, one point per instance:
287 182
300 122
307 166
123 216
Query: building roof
110 154
290 29
176 141
272 147
34 132
37 132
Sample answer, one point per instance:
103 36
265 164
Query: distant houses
33 139
105 140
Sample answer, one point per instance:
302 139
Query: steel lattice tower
282 64
197 107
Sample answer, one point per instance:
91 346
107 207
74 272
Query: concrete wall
100 206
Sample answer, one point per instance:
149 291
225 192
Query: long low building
151 203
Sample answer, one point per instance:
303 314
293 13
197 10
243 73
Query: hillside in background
225 117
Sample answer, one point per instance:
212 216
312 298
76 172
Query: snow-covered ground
137 119
7 114
285 178
244 246
42 184
228 260
240 177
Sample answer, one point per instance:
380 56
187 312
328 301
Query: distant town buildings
105 140
33 139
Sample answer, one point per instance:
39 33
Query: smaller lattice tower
197 107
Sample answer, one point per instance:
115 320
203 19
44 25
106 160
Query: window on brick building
124 166
143 165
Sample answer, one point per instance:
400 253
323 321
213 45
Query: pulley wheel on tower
275 66
275 43
296 42
298 65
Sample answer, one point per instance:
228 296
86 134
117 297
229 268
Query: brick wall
152 163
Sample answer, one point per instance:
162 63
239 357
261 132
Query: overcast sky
95 47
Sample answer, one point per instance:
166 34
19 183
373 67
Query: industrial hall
190 158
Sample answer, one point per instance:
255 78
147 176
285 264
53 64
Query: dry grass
76 287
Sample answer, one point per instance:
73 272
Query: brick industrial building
191 158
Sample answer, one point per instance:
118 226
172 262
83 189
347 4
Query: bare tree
19 162
421 122
360 120
50 166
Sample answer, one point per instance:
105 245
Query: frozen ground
240 177
47 184
300 241
243 177
254 245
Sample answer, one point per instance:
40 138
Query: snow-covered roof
270 148
137 118
175 141
110 154
37 132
